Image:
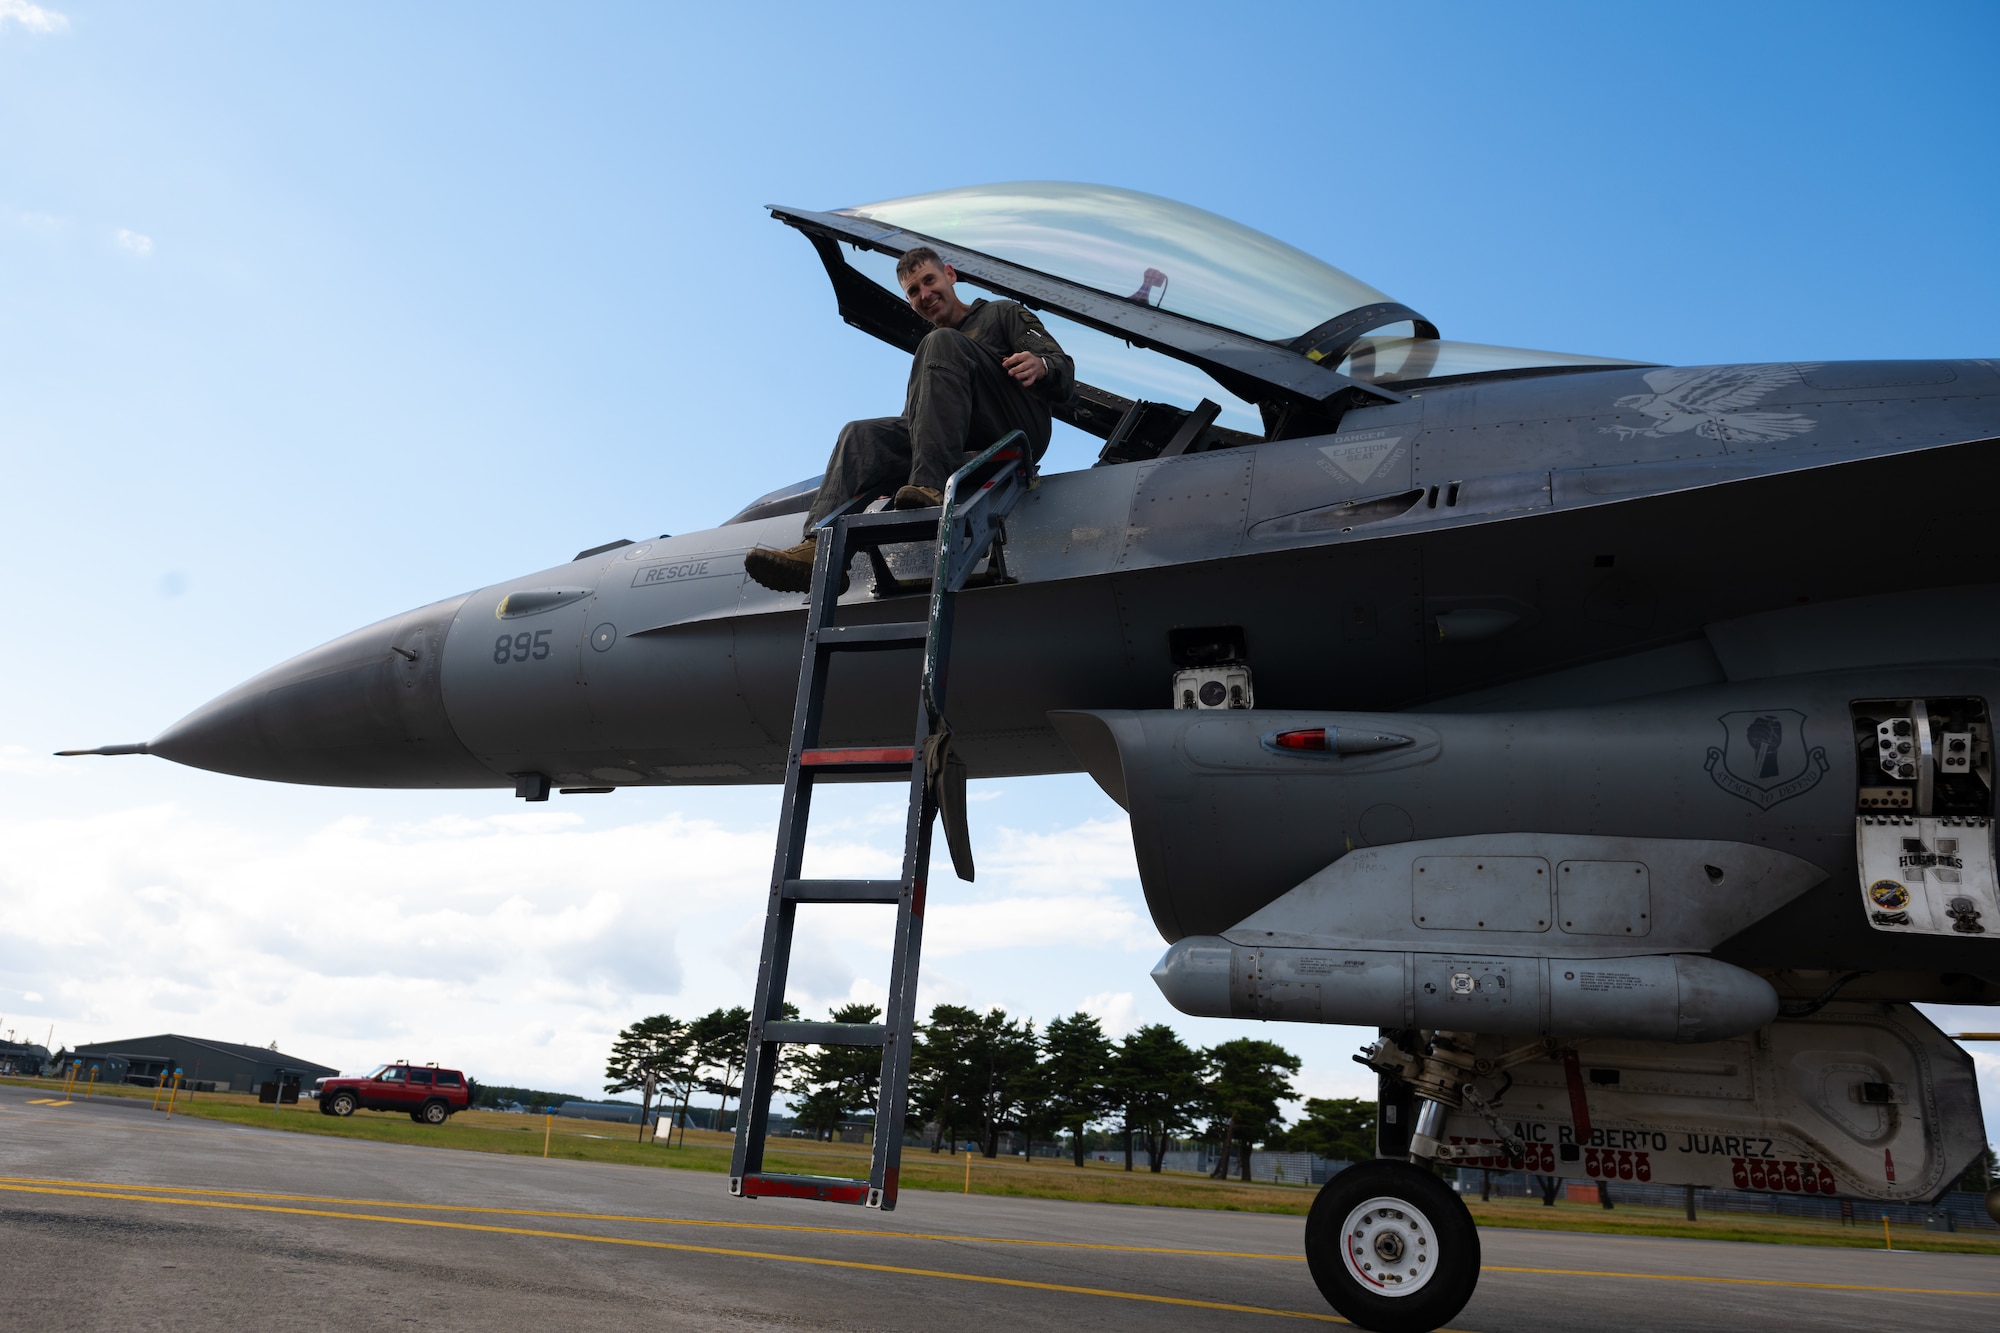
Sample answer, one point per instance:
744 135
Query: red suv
428 1093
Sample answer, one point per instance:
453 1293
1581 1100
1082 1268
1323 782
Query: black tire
431 1113
343 1104
1392 1248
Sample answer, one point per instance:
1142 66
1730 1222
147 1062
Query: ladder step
844 890
892 526
827 1034
910 634
827 1189
860 758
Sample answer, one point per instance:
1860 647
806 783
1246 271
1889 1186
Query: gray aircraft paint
1755 1112
659 663
1340 609
1620 616
1222 826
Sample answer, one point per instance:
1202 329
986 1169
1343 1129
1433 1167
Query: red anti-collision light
1331 741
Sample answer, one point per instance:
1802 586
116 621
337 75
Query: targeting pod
1651 997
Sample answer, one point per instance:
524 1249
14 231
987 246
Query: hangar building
227 1066
624 1112
21 1057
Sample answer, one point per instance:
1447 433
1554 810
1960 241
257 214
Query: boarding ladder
967 530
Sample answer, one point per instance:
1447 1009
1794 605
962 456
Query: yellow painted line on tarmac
1742 1281
46 1101
33 1184
811 1260
656 1221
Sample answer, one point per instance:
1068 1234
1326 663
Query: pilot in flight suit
984 369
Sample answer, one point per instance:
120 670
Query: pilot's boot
918 497
789 570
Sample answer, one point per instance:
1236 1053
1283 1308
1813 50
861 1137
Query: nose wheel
1391 1248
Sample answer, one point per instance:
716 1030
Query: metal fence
1270 1168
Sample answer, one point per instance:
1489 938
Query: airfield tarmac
114 1216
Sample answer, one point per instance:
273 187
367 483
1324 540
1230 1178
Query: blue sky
308 315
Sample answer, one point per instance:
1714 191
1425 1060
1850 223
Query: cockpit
1190 331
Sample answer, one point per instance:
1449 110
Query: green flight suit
960 400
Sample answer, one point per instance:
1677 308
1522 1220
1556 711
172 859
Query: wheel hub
1389 1246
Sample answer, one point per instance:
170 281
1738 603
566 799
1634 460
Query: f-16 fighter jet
1614 739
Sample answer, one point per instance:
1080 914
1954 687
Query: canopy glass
1183 259
1191 262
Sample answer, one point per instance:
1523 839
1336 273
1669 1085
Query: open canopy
1140 246
1291 341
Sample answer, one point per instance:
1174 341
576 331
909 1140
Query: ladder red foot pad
827 1189
829 758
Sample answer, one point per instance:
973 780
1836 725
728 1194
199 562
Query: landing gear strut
1391 1248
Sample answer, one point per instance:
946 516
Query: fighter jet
1613 738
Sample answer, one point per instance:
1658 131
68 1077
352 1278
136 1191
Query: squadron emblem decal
1889 895
1714 403
1763 756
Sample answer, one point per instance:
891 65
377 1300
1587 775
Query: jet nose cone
220 735
362 711
1194 976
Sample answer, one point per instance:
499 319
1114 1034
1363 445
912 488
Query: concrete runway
113 1216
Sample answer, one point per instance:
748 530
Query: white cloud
1034 890
464 938
1087 857
135 243
32 17
1118 1011
1028 921
514 943
41 224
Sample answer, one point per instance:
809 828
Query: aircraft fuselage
1474 539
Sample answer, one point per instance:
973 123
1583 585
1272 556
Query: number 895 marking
520 647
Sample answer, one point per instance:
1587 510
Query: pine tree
1158 1078
837 1080
970 1071
941 1071
1077 1075
720 1038
1246 1081
1341 1128
644 1057
1034 1111
1004 1056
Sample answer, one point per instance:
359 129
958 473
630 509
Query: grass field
1044 1178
